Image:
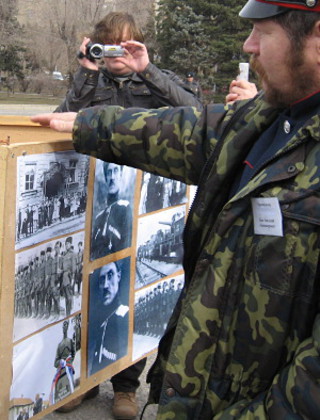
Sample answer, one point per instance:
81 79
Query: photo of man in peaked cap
112 226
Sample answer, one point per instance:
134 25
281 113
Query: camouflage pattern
244 339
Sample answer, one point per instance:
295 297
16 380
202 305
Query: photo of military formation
152 309
51 196
48 283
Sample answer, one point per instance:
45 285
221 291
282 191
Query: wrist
145 68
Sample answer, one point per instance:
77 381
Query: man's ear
316 29
119 276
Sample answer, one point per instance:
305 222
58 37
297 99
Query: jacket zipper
209 162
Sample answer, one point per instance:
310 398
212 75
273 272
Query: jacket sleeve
168 88
294 393
82 91
171 142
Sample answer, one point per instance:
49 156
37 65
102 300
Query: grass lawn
21 98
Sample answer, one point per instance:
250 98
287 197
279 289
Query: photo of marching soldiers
152 309
48 284
112 209
159 193
159 245
46 368
51 196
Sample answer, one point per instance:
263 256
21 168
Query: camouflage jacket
244 339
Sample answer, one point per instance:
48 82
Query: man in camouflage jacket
244 339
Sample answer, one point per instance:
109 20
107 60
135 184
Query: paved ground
24 109
99 408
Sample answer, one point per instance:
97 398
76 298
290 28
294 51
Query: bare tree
69 19
7 20
55 28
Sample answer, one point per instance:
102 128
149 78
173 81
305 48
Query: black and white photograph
112 211
153 306
48 284
51 196
158 193
46 367
159 245
108 314
192 193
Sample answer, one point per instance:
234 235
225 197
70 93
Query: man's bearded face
300 77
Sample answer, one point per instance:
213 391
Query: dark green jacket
244 340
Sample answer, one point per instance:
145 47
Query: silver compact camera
97 51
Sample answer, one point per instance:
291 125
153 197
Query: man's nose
105 285
251 44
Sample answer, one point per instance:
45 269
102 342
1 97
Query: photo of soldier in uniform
63 381
159 245
46 367
112 209
152 309
47 284
158 193
108 314
51 196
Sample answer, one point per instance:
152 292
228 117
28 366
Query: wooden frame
38 167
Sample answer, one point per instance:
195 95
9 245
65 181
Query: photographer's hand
136 56
85 62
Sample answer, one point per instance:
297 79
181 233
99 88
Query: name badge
267 217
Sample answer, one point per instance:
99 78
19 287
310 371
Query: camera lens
96 51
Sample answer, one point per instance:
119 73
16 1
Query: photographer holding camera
123 76
129 80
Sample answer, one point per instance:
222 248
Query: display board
90 267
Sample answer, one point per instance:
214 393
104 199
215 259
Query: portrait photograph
51 196
108 325
159 245
48 284
112 212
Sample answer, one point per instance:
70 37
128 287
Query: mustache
257 67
